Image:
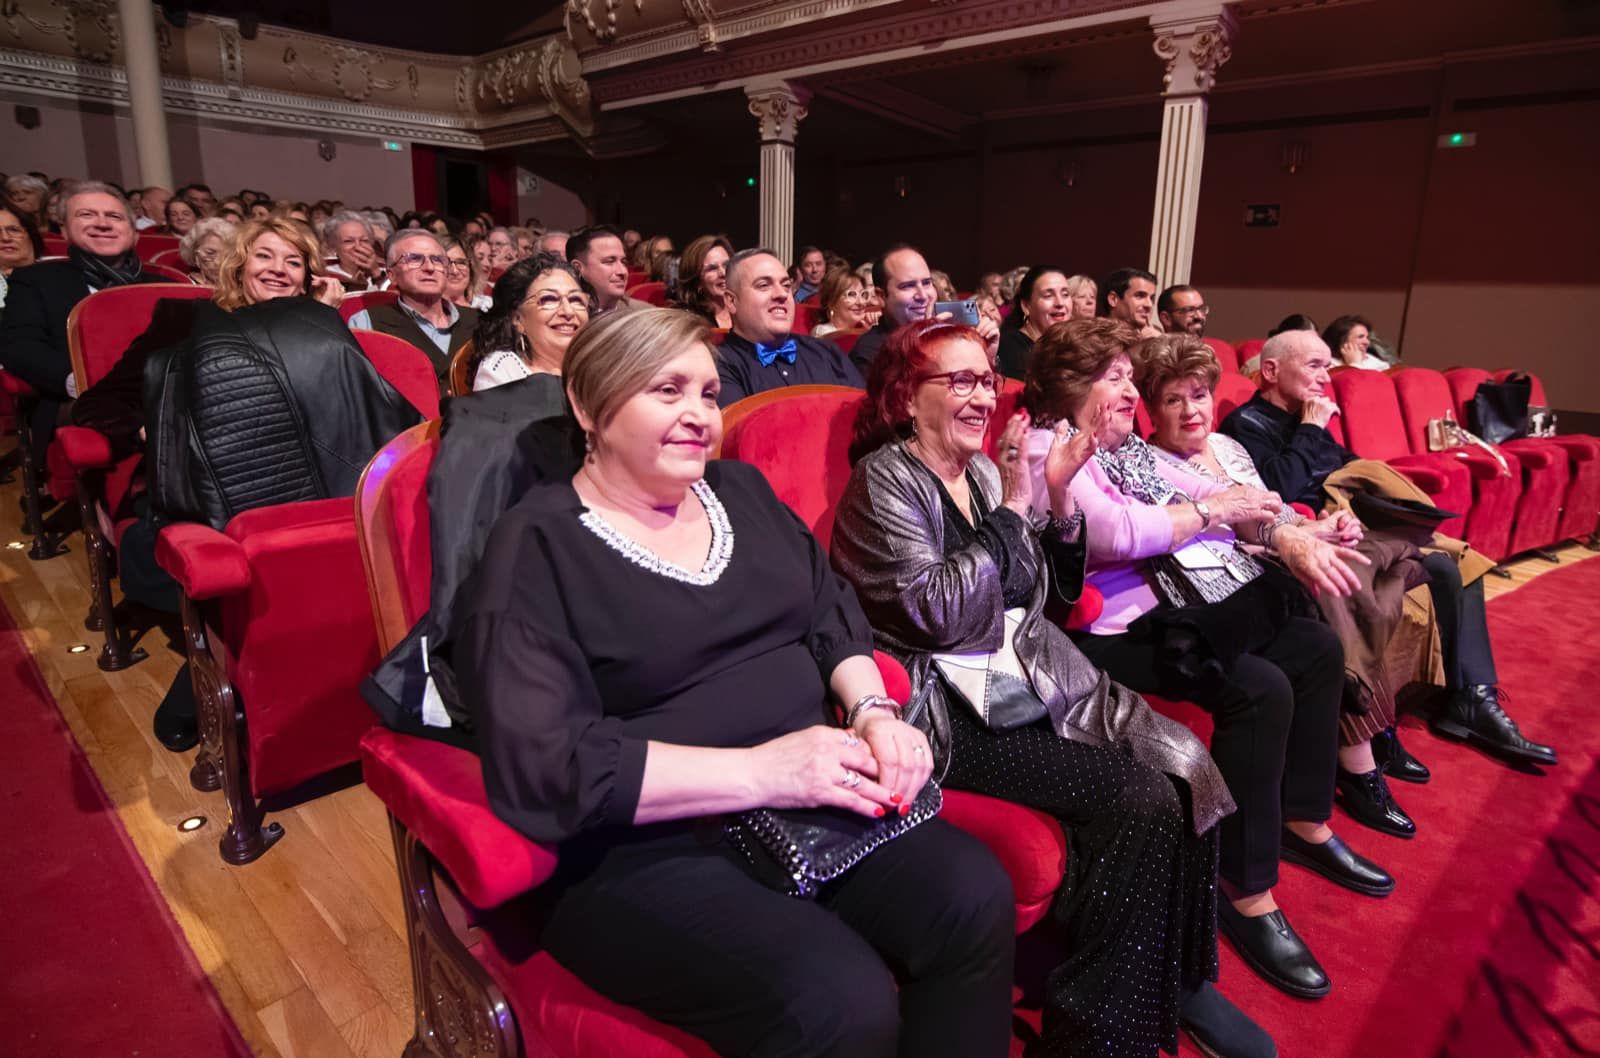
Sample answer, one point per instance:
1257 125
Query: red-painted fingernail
895 798
881 813
905 810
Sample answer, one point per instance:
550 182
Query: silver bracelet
1065 528
871 701
1268 531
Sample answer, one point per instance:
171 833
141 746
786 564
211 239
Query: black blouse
572 655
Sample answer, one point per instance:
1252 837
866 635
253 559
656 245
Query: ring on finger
851 740
851 779
917 751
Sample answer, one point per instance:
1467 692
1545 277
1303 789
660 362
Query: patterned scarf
1131 466
102 272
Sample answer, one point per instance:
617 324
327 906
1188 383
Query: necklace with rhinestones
716 560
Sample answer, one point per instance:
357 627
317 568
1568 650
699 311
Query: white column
779 107
1193 47
142 61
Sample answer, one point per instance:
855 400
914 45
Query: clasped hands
874 768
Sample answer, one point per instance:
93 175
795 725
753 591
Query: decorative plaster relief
1193 53
89 27
350 70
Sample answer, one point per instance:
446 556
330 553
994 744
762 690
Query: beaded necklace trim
717 559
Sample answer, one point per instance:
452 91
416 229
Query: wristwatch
1205 515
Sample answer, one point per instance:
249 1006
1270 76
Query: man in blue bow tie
761 351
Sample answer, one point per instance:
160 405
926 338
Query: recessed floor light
16 545
192 823
78 648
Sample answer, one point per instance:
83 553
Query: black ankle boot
1396 761
1473 714
1365 796
176 725
1221 1030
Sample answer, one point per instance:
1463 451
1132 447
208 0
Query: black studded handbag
797 851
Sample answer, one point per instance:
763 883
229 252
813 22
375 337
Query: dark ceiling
414 25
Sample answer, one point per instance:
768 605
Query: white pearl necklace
716 561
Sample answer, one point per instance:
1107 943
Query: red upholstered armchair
1373 428
1248 350
279 636
149 246
1232 390
1226 355
799 439
354 303
99 330
1425 395
846 340
46 539
654 293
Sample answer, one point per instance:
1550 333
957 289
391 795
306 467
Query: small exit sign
391 145
1458 139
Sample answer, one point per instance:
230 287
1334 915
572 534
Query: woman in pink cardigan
1188 614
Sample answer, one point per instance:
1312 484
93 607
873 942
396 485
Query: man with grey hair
423 316
553 242
347 237
1284 427
26 193
761 352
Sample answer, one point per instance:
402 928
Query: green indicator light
1457 139
749 181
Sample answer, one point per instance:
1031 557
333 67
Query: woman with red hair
951 570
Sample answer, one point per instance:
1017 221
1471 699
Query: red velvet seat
800 441
1371 426
1248 350
54 245
1226 356
280 636
167 273
354 303
168 258
147 246
846 340
1232 390
654 293
806 317
1425 395
99 330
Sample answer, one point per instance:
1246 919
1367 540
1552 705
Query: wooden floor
306 946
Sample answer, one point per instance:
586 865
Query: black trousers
675 927
1463 623
1137 913
1276 735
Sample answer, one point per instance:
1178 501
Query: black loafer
1366 797
1396 761
1473 714
1338 863
1271 947
1221 1030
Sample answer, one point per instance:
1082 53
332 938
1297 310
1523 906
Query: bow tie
768 353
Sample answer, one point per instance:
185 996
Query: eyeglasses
459 265
549 303
853 295
1202 310
962 383
12 229
416 260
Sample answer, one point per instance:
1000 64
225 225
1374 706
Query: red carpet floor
1490 945
92 964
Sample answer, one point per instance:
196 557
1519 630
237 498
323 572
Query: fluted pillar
779 107
1193 47
142 61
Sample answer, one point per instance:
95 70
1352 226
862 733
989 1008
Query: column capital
779 107
1194 40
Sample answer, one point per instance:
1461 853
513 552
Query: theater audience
843 298
1189 615
20 246
502 248
1129 294
703 280
152 212
539 307
989 286
1295 321
940 547
1350 338
26 195
203 248
989 309
264 261
1008 284
1181 308
597 254
1284 427
943 288
181 217
347 239
813 266
200 199
1042 301
1176 375
761 351
462 283
526 240
903 278
1082 291
417 267
553 242
611 623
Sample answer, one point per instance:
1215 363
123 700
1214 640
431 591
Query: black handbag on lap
797 851
1499 410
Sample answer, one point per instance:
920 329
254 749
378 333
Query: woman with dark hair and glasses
20 245
539 307
953 566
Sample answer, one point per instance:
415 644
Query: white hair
203 229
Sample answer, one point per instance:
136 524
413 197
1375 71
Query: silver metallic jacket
922 597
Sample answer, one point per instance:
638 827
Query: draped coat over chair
888 540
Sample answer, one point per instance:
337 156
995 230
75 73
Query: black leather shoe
176 725
1221 1030
1396 761
1366 797
1338 863
1473 714
1271 947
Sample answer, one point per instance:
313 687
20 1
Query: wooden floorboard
306 946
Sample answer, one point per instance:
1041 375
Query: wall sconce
327 150
27 117
1294 157
902 187
1067 173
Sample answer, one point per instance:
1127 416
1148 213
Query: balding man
423 316
761 352
1284 427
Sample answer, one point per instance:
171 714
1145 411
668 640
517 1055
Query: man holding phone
906 281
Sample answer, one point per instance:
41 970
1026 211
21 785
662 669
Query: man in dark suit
761 352
423 316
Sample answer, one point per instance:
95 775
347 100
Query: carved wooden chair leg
459 1008
222 738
